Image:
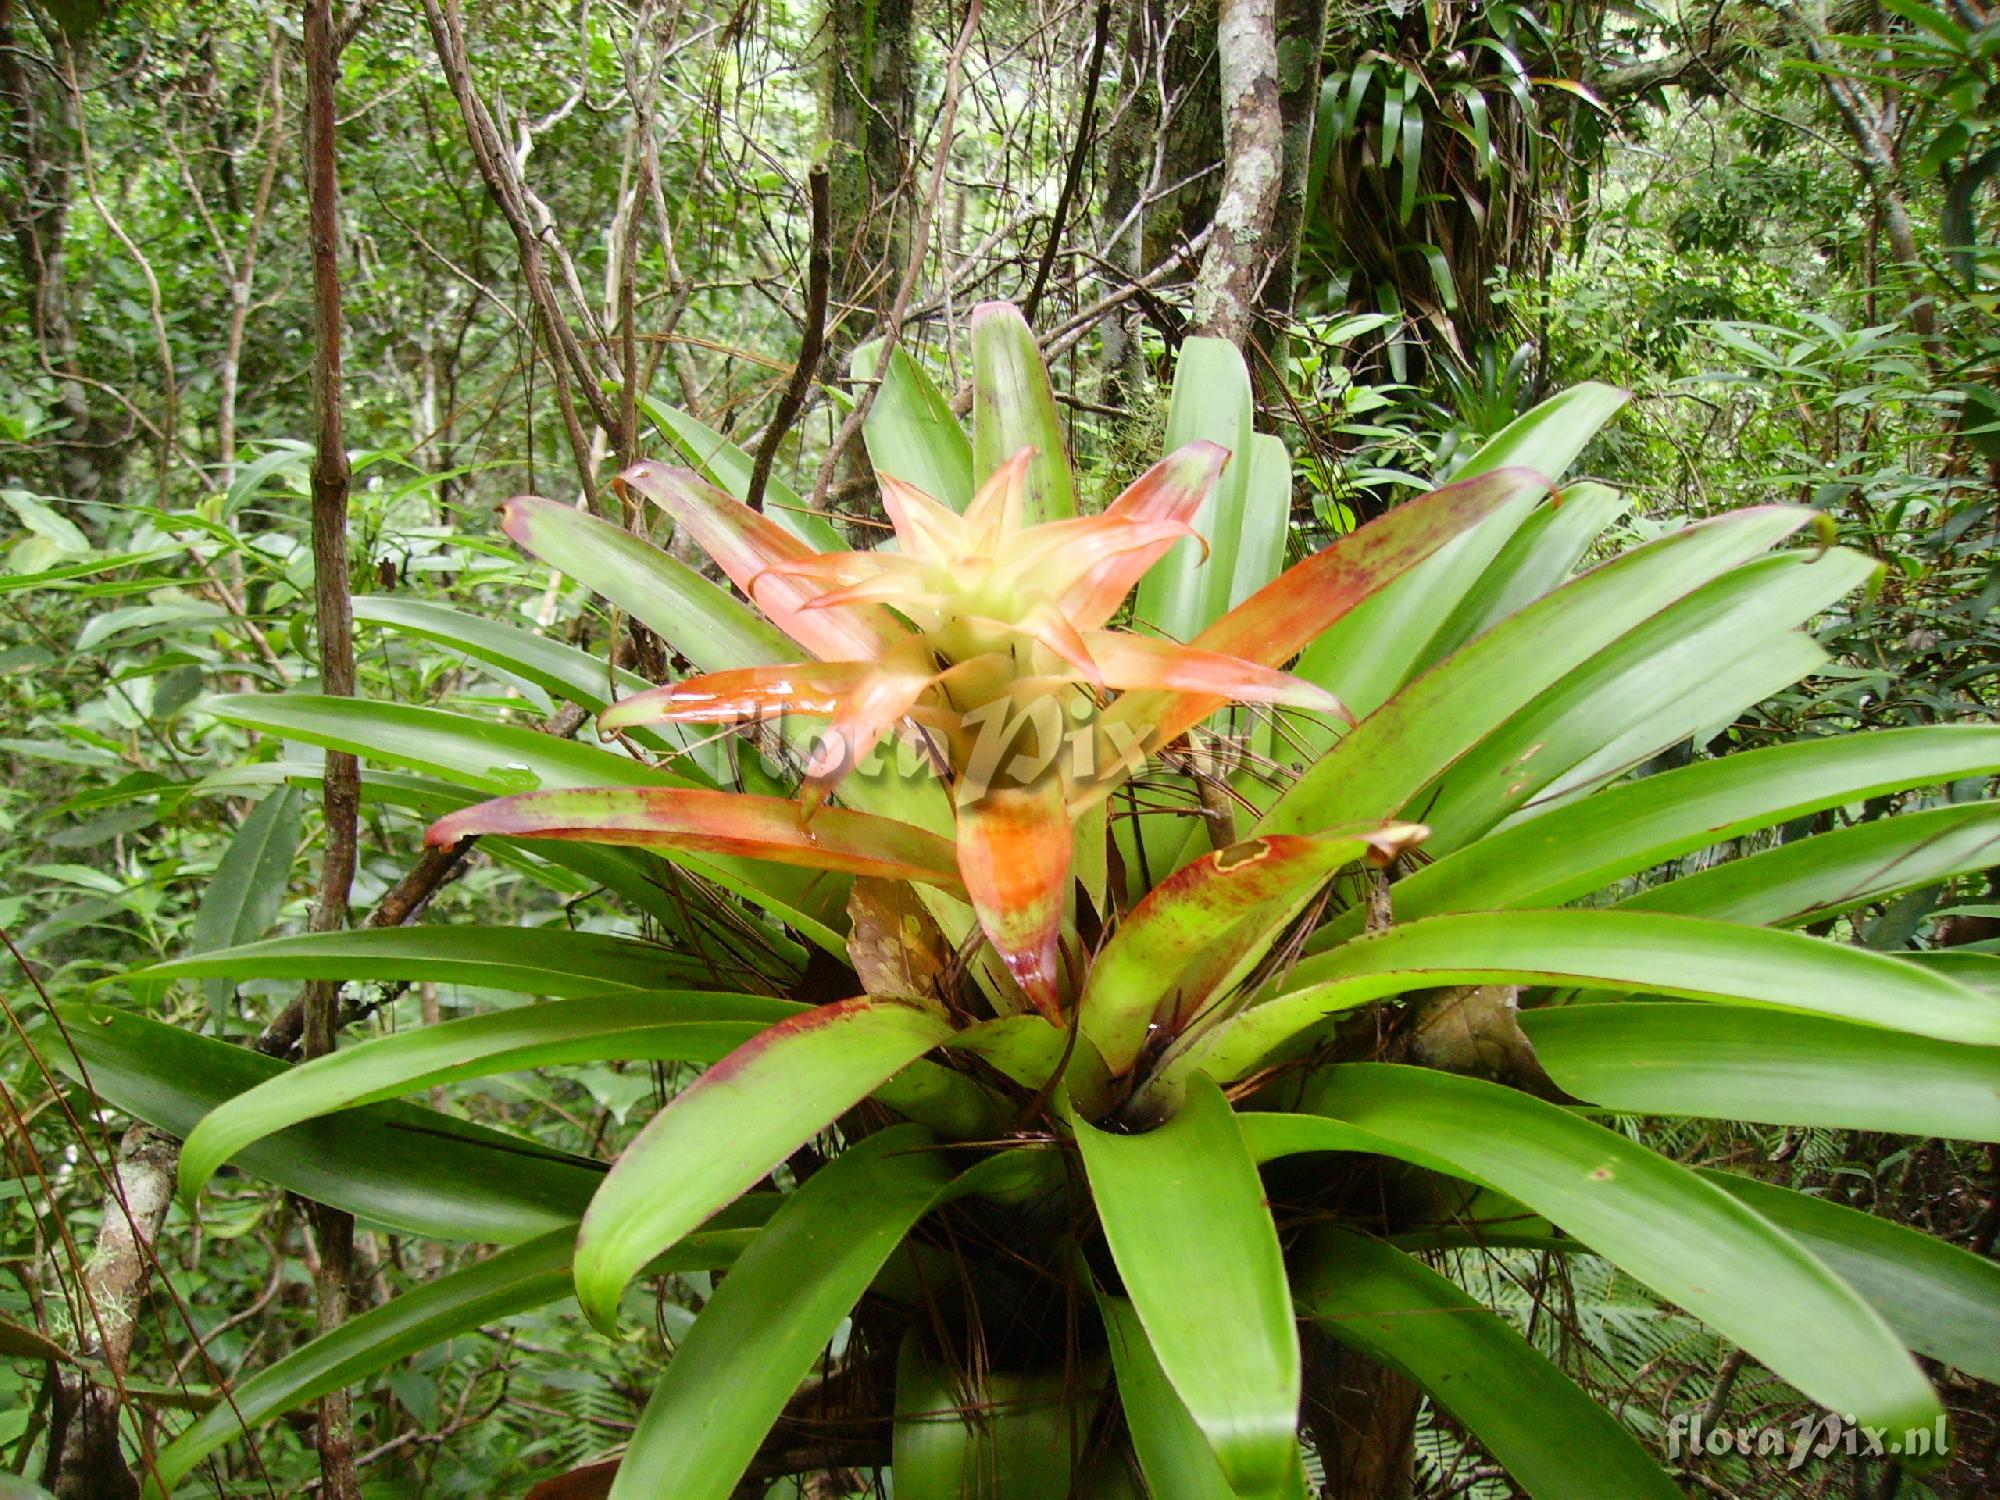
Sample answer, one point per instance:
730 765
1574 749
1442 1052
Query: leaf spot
1238 855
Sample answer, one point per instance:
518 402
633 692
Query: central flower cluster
982 637
983 631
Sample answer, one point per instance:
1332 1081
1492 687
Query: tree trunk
333 1230
1363 1420
866 81
1187 184
1234 266
1871 125
85 1461
39 129
1128 149
1301 28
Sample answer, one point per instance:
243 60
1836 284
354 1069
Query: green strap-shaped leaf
1539 557
1267 517
1709 705
558 669
672 1025
910 431
498 759
1689 1241
729 469
1555 1440
1835 872
248 887
1438 717
733 825
1944 1301
736 1122
1192 585
1367 656
707 625
527 960
1013 408
410 1170
1298 606
772 1316
1979 970
477 753
1183 1212
573 870
1549 438
1614 950
1372 651
1173 1455
1571 851
1724 1063
1645 690
1196 933
513 1281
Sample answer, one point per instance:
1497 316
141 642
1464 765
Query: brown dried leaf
895 946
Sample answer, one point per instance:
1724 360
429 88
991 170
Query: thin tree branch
341 788
1079 154
819 270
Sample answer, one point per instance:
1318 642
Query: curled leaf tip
1392 839
445 831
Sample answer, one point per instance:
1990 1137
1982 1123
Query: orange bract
981 631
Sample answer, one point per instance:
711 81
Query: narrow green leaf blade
671 1025
708 626
1537 558
1685 1238
560 670
911 433
729 469
1013 408
527 960
1195 933
1645 952
1183 1211
1549 438
772 1316
410 1170
1173 1455
1573 850
1433 721
248 887
1719 1062
734 824
1647 690
1823 876
1555 1440
1190 587
477 753
736 1122
1943 1301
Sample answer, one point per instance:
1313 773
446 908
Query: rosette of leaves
1073 1100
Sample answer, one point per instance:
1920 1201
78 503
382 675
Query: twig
1079 154
341 787
819 268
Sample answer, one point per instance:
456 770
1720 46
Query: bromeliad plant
1129 1056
